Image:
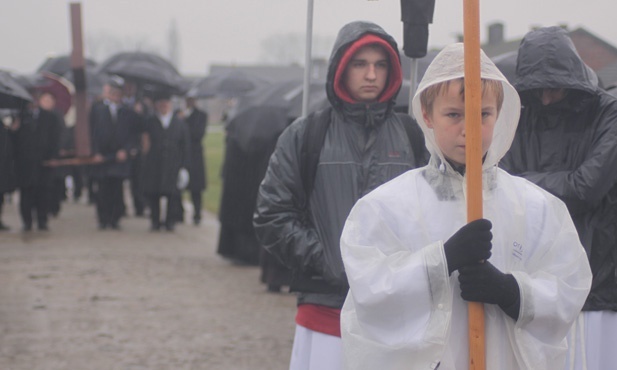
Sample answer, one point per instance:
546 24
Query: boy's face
366 74
447 120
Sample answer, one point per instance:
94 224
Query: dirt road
76 298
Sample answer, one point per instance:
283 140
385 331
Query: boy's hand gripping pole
473 122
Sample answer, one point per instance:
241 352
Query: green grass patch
214 152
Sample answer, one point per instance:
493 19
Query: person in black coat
36 138
196 121
166 162
7 170
565 144
112 140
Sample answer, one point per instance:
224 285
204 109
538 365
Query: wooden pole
473 121
78 65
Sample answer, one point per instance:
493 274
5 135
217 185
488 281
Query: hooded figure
365 145
405 307
566 146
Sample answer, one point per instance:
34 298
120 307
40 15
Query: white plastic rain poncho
404 311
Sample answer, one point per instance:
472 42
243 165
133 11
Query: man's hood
449 65
547 58
350 33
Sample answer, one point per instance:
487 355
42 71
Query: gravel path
76 298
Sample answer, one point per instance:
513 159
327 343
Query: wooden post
473 121
78 65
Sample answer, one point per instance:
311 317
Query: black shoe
3 227
102 226
196 221
170 227
115 226
43 227
155 227
27 228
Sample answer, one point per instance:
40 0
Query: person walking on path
36 139
565 143
365 145
113 138
167 159
196 121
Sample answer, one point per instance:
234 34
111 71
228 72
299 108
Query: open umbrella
47 82
229 84
261 115
12 93
144 68
506 63
61 65
94 81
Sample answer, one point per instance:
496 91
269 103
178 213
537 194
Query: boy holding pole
412 263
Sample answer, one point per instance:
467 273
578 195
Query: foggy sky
231 31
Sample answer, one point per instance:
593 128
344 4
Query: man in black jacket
113 137
36 139
166 163
365 145
565 143
196 121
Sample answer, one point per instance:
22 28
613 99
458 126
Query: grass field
214 145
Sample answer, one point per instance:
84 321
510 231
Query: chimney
495 33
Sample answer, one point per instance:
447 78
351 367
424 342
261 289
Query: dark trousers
139 202
110 202
155 209
196 198
34 199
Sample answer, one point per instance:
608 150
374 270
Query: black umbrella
94 81
229 84
144 68
12 93
261 115
61 65
506 63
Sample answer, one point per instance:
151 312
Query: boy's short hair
427 96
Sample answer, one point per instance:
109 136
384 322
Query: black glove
484 283
469 245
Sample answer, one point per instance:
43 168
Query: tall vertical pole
413 82
78 65
308 59
473 137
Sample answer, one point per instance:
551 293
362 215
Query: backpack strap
317 124
416 138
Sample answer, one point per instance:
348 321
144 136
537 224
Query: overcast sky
231 31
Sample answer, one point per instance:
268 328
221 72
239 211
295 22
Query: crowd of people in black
139 140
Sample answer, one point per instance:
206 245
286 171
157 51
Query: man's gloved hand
483 282
469 245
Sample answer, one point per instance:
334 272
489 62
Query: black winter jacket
570 149
365 146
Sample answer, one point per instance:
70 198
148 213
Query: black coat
109 137
197 123
7 164
168 152
569 148
36 140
